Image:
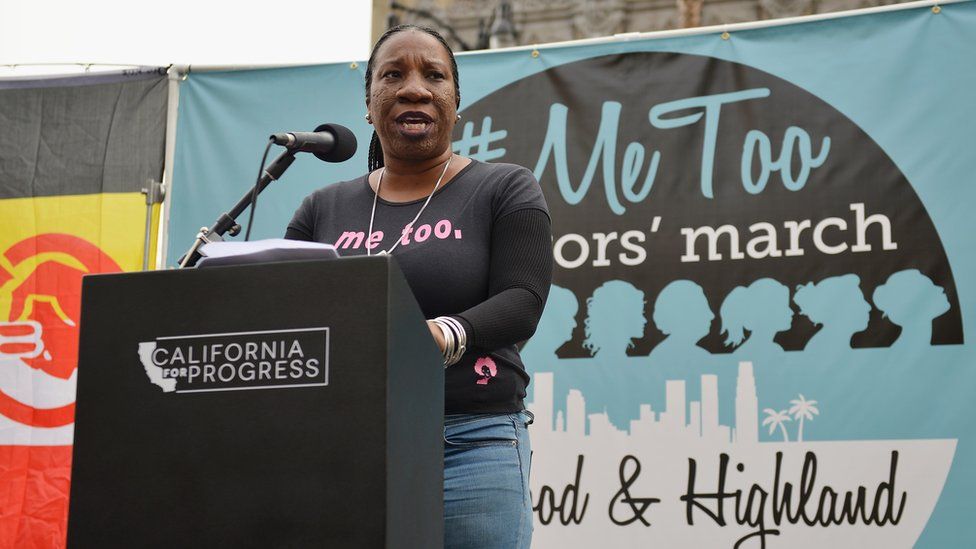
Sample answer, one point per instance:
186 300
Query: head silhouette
614 317
681 311
910 299
762 307
559 317
835 303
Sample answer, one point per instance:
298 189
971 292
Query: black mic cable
254 192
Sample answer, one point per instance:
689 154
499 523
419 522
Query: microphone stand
227 222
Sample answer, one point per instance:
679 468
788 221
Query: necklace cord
372 213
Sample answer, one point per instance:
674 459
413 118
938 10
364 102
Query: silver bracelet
462 340
455 337
449 341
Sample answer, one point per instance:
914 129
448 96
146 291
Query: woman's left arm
519 276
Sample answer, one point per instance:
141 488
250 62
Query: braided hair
374 159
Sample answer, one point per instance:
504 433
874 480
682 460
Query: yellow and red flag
74 156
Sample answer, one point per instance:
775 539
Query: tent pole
175 74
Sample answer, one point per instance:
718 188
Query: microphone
329 142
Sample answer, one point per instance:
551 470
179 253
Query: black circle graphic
618 93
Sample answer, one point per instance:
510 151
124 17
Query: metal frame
179 73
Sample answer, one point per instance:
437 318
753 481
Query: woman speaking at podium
473 240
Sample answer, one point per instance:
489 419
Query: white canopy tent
66 36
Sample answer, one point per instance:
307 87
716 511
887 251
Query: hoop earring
368 119
458 117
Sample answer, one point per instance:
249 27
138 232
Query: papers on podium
263 251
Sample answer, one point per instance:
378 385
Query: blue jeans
486 481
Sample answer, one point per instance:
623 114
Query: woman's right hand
438 336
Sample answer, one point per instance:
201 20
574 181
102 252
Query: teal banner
760 331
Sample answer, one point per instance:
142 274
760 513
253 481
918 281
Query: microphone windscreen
345 143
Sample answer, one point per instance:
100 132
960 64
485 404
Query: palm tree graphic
801 409
776 419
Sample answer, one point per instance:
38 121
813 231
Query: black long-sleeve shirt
480 252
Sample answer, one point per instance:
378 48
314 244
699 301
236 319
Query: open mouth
414 122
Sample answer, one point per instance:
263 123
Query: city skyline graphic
681 419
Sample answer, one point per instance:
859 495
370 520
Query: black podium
295 404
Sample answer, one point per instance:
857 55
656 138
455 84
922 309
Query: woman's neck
683 340
404 180
759 342
917 333
610 354
842 335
